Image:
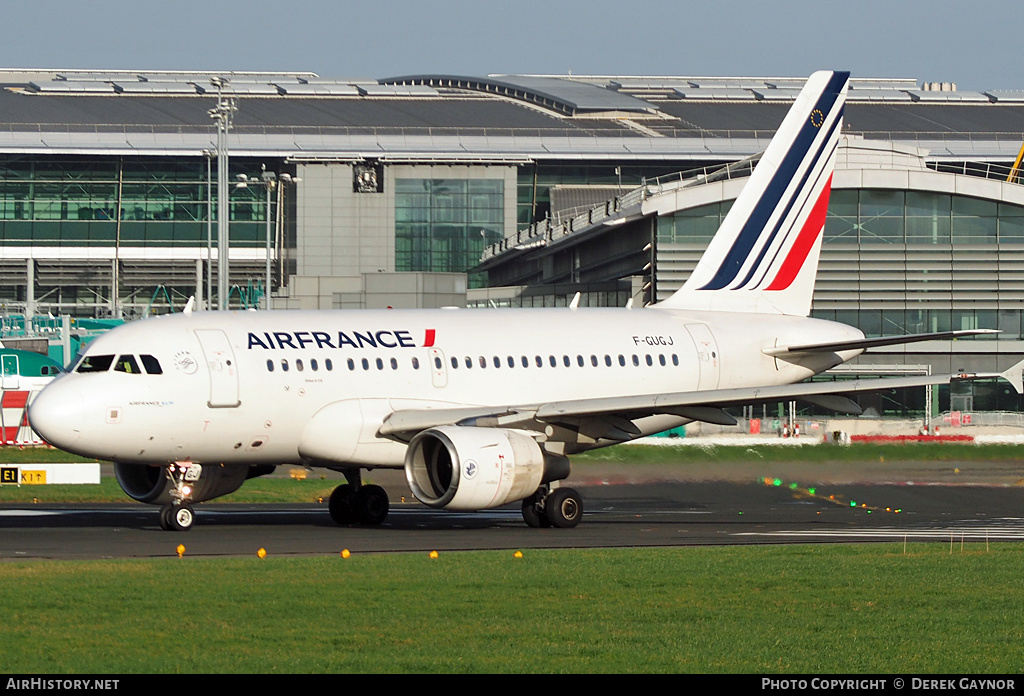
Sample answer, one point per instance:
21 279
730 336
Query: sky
975 44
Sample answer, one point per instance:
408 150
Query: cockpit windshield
95 363
129 364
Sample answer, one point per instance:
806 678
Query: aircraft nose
56 414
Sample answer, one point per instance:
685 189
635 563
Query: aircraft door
10 371
707 355
438 370
220 362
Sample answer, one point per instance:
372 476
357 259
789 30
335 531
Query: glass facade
160 202
879 216
882 216
443 225
865 221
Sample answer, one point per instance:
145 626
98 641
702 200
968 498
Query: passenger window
437 363
675 360
636 360
650 360
455 362
483 361
380 364
298 365
622 361
511 361
593 360
151 364
270 366
608 360
565 360
366 364
284 365
469 361
95 363
579 360
126 363
526 361
351 364
415 363
328 364
394 363
313 365
551 359
497 361
661 359
539 360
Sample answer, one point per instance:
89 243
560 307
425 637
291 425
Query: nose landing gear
179 515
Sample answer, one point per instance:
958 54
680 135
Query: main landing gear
558 507
179 515
354 503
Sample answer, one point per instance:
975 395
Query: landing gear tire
340 504
363 505
532 512
177 518
165 518
370 505
563 508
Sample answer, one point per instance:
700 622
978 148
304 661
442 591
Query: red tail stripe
804 242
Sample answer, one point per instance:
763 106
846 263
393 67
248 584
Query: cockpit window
126 363
151 364
95 363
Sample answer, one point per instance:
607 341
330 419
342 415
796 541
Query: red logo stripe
804 242
428 340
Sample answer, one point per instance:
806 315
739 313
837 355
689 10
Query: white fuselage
241 387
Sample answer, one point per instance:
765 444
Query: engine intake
464 468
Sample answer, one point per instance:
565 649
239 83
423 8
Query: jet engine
150 484
471 468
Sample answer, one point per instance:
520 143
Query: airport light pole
272 182
269 183
222 114
208 154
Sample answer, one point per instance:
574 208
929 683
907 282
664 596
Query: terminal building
502 190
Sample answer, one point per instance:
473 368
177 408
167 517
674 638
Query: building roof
514 117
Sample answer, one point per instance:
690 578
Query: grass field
801 609
783 609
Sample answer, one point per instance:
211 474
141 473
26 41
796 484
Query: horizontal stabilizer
865 343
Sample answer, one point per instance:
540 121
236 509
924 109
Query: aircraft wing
864 343
613 416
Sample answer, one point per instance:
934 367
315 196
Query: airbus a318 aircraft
480 407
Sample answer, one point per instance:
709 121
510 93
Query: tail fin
764 257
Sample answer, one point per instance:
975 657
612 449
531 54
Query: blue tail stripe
773 193
789 205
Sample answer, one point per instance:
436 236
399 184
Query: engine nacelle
149 484
462 468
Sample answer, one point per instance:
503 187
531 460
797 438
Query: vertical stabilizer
764 257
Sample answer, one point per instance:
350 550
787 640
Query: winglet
1015 376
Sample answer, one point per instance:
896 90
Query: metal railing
565 223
